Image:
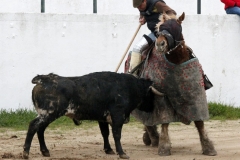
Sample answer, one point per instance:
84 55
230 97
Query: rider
149 13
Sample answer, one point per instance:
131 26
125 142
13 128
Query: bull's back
104 88
52 97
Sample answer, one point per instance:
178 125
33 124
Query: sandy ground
81 143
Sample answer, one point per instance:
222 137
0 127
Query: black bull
106 97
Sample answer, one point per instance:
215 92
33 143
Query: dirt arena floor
82 144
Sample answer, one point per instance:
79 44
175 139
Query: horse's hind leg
207 145
164 146
146 138
151 136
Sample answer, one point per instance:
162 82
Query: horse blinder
169 37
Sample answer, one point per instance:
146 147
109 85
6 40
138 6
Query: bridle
179 43
172 43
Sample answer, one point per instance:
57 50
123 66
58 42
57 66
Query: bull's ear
181 18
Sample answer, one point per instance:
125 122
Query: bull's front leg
38 125
164 146
117 131
32 129
207 145
104 127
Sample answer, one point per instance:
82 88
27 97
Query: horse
177 73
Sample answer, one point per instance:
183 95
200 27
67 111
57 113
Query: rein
180 43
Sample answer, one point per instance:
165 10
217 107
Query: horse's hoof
146 139
210 153
45 153
25 155
124 156
164 152
110 151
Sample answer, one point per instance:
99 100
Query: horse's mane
162 18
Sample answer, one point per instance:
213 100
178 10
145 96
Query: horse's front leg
164 146
151 136
207 145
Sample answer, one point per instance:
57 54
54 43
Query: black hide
102 96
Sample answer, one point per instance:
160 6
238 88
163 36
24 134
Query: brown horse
178 74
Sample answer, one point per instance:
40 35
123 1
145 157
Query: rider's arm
142 20
163 7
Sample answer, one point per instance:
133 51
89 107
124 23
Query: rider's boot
135 60
138 48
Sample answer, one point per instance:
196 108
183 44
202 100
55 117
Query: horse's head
169 31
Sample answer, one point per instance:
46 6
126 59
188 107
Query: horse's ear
181 18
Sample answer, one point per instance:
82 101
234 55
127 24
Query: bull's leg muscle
38 125
43 147
117 130
32 129
117 123
207 145
104 127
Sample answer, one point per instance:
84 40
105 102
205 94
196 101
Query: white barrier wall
213 7
16 6
77 44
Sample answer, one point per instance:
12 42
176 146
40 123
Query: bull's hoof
25 155
210 152
146 139
45 153
164 152
109 151
124 156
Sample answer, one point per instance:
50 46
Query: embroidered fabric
183 84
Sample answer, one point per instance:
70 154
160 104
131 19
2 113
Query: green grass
218 111
20 118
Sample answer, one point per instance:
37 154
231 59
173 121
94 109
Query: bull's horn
155 91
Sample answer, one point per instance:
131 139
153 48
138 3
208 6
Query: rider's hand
142 20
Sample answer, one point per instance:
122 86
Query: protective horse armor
183 85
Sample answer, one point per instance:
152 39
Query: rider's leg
144 42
